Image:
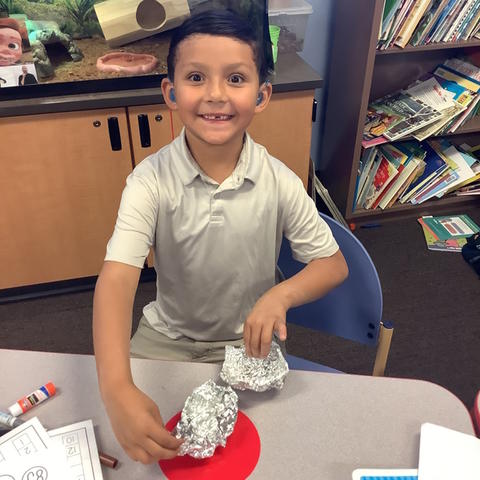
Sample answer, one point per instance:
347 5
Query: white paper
446 454
45 465
78 442
431 93
28 452
380 473
27 439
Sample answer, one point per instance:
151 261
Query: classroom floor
433 299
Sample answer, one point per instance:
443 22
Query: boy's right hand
138 426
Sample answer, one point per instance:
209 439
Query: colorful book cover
434 244
433 165
385 174
449 74
379 120
416 113
398 182
451 226
411 178
399 160
434 188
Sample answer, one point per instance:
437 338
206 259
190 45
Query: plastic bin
291 16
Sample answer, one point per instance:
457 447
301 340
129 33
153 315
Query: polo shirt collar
248 165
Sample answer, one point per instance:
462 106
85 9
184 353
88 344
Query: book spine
464 27
470 28
448 20
452 34
440 21
431 23
399 21
413 20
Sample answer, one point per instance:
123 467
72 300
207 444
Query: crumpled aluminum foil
258 374
208 418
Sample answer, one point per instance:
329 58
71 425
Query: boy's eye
236 78
13 46
195 77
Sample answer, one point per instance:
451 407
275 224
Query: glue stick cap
15 410
50 388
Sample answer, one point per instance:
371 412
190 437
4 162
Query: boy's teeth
216 117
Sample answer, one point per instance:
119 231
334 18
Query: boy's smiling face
216 88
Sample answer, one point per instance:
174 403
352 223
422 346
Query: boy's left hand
267 316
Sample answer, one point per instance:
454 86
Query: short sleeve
309 235
134 231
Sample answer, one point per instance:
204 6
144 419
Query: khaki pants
148 343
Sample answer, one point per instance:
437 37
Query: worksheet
45 465
26 439
28 452
78 442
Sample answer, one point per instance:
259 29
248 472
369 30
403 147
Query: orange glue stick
32 399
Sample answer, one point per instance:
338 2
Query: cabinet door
60 187
284 128
151 129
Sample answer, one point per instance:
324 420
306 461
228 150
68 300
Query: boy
214 205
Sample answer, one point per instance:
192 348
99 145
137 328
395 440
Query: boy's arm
135 418
315 280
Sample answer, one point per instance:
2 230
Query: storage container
292 17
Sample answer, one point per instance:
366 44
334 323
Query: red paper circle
236 461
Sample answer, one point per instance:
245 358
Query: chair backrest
354 309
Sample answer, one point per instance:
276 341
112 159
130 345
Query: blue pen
9 421
370 225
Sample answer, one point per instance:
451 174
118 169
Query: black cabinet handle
144 130
114 132
314 111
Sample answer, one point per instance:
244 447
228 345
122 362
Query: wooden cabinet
358 74
63 175
152 123
60 187
285 128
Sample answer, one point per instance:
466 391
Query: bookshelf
358 74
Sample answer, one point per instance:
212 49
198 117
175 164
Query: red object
476 414
236 461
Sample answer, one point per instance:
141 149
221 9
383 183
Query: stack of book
437 104
414 172
420 22
447 233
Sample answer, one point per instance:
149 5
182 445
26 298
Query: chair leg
384 341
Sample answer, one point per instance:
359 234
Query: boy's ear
264 92
167 89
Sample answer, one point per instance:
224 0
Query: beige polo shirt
216 246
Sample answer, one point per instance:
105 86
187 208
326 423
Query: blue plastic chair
353 310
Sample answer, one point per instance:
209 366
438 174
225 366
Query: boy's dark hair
223 23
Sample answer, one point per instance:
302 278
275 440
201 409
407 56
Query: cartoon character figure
10 41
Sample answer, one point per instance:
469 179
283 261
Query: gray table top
292 73
320 425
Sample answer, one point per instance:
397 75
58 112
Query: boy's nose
216 92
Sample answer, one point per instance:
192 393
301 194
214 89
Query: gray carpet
433 299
